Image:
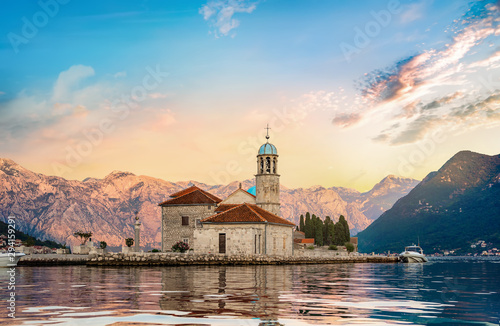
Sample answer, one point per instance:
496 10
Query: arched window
268 164
261 165
274 165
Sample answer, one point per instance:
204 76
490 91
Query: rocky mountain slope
449 209
53 208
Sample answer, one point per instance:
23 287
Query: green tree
318 234
302 224
308 227
347 234
84 236
30 241
339 234
349 246
331 232
103 244
327 239
129 242
313 223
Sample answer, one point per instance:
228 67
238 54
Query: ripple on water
441 292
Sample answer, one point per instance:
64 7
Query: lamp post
137 227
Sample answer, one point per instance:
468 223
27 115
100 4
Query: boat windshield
414 249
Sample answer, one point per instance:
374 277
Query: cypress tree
301 224
347 234
308 226
331 232
313 228
327 240
339 233
318 238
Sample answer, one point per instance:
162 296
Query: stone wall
245 239
279 240
239 197
177 259
172 228
267 189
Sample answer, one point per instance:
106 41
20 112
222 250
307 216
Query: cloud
417 71
409 110
412 12
416 130
219 14
157 95
120 74
434 89
346 120
491 62
439 102
2 93
488 107
69 79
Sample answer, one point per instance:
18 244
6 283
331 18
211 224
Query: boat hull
7 260
413 258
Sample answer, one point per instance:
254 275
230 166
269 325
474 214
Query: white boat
413 254
10 259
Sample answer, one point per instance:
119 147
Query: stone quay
182 259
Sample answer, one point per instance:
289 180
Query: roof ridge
193 186
260 216
204 194
222 213
274 215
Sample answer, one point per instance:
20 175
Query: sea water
452 291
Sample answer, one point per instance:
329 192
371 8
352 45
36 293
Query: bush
310 247
332 247
349 246
129 242
155 250
103 244
180 246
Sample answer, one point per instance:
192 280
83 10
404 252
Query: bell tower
267 179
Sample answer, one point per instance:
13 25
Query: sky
183 90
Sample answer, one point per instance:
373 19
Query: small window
185 240
185 220
198 223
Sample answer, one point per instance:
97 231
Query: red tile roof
311 241
194 188
184 191
225 207
246 213
190 196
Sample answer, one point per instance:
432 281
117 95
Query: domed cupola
268 148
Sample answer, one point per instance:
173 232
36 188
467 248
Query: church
243 223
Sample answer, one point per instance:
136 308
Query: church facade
243 223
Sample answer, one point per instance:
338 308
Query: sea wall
178 259
175 259
53 259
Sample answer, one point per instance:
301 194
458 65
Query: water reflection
445 292
249 291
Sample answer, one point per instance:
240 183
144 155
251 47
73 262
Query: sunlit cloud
432 89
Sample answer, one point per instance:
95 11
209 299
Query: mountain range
450 209
53 208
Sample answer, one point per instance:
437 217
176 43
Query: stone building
242 223
245 229
182 214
